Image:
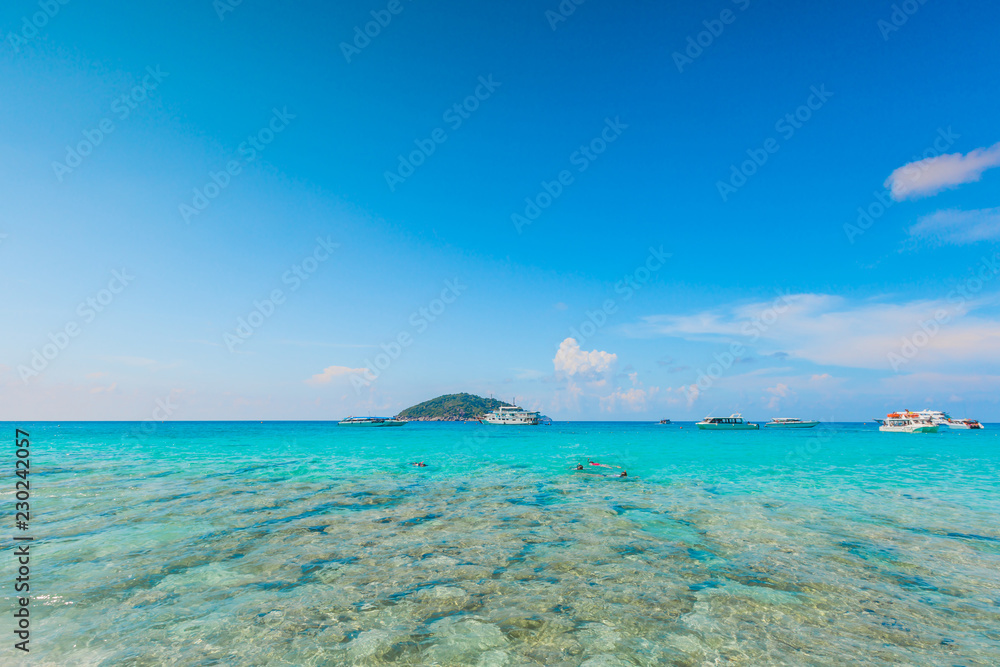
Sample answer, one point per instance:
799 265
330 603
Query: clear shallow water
304 543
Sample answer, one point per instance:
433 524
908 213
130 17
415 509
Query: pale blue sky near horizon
778 297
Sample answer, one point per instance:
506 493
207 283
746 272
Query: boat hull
792 425
494 422
728 427
374 424
908 429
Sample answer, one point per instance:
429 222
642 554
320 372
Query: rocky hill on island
451 407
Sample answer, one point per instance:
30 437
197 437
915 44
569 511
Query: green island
451 407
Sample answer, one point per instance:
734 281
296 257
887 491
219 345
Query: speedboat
790 422
664 421
372 421
964 423
732 423
906 422
511 415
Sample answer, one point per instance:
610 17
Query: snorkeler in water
420 464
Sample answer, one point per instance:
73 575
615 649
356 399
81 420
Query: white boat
964 423
906 422
732 423
372 421
511 415
934 416
790 422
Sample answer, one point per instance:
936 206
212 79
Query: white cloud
777 393
633 399
331 372
571 361
959 227
929 176
830 330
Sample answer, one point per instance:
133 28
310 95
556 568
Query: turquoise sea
305 543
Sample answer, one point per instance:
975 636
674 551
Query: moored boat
372 421
935 417
906 422
511 415
732 423
664 421
964 423
790 422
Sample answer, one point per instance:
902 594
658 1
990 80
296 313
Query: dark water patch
438 615
868 551
416 521
403 653
328 507
167 499
280 586
270 465
893 624
701 555
400 595
350 636
703 585
318 529
972 536
913 582
628 550
317 565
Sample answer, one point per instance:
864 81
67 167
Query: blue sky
480 182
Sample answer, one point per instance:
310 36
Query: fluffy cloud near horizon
571 361
830 330
634 399
956 227
932 175
331 372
